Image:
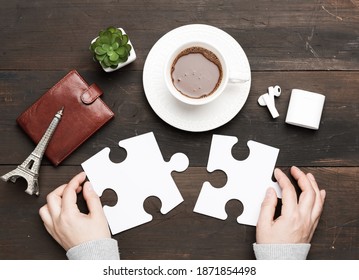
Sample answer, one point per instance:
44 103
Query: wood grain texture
311 45
334 144
181 234
276 35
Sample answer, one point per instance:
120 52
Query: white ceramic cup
227 75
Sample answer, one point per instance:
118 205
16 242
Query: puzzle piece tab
144 173
247 180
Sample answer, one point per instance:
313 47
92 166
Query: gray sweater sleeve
281 251
107 249
101 249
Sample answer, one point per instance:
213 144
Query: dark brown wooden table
311 45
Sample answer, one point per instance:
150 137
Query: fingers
323 194
92 200
269 204
45 216
319 197
308 195
52 209
69 197
311 199
54 201
289 196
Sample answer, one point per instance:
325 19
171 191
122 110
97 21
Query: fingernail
89 186
323 193
311 177
269 192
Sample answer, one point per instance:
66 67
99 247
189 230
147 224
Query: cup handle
238 77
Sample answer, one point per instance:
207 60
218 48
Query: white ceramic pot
130 59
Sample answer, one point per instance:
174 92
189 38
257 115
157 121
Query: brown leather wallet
84 113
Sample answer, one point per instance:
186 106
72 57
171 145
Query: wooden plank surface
181 234
289 35
334 144
311 45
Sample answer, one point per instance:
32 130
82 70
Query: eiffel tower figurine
29 169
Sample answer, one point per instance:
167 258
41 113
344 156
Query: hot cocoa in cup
196 73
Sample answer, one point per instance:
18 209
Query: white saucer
189 117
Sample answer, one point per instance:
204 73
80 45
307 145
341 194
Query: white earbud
267 99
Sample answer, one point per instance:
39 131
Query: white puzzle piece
144 173
247 180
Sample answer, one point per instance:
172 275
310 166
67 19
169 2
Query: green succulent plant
111 47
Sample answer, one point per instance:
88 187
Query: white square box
305 109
